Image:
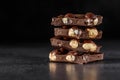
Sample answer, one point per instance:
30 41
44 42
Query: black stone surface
29 61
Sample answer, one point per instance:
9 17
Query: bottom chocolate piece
74 57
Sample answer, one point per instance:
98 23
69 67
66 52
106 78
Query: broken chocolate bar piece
89 33
73 44
88 19
74 57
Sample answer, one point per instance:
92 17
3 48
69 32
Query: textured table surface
30 61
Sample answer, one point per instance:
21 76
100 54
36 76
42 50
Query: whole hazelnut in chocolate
66 20
92 32
70 58
74 32
73 43
90 46
52 56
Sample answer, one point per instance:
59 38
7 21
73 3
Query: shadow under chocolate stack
74 35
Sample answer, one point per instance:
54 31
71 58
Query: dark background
29 21
24 40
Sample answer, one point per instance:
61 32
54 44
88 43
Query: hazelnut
73 43
95 21
66 21
92 32
74 32
89 22
52 56
89 46
70 58
91 19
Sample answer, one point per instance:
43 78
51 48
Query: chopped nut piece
95 21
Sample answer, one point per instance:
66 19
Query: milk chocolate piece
74 57
87 19
76 33
75 45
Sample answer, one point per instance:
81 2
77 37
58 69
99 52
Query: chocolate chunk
88 19
69 57
78 33
75 45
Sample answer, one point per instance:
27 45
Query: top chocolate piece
88 19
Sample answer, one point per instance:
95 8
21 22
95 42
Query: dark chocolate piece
72 57
88 46
78 33
87 19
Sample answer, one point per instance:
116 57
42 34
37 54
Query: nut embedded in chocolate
73 32
89 46
77 33
92 32
73 43
95 21
52 56
70 58
91 19
66 21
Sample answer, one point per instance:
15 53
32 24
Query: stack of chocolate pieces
74 35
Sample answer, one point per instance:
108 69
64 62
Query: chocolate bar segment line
61 21
80 59
80 34
76 46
